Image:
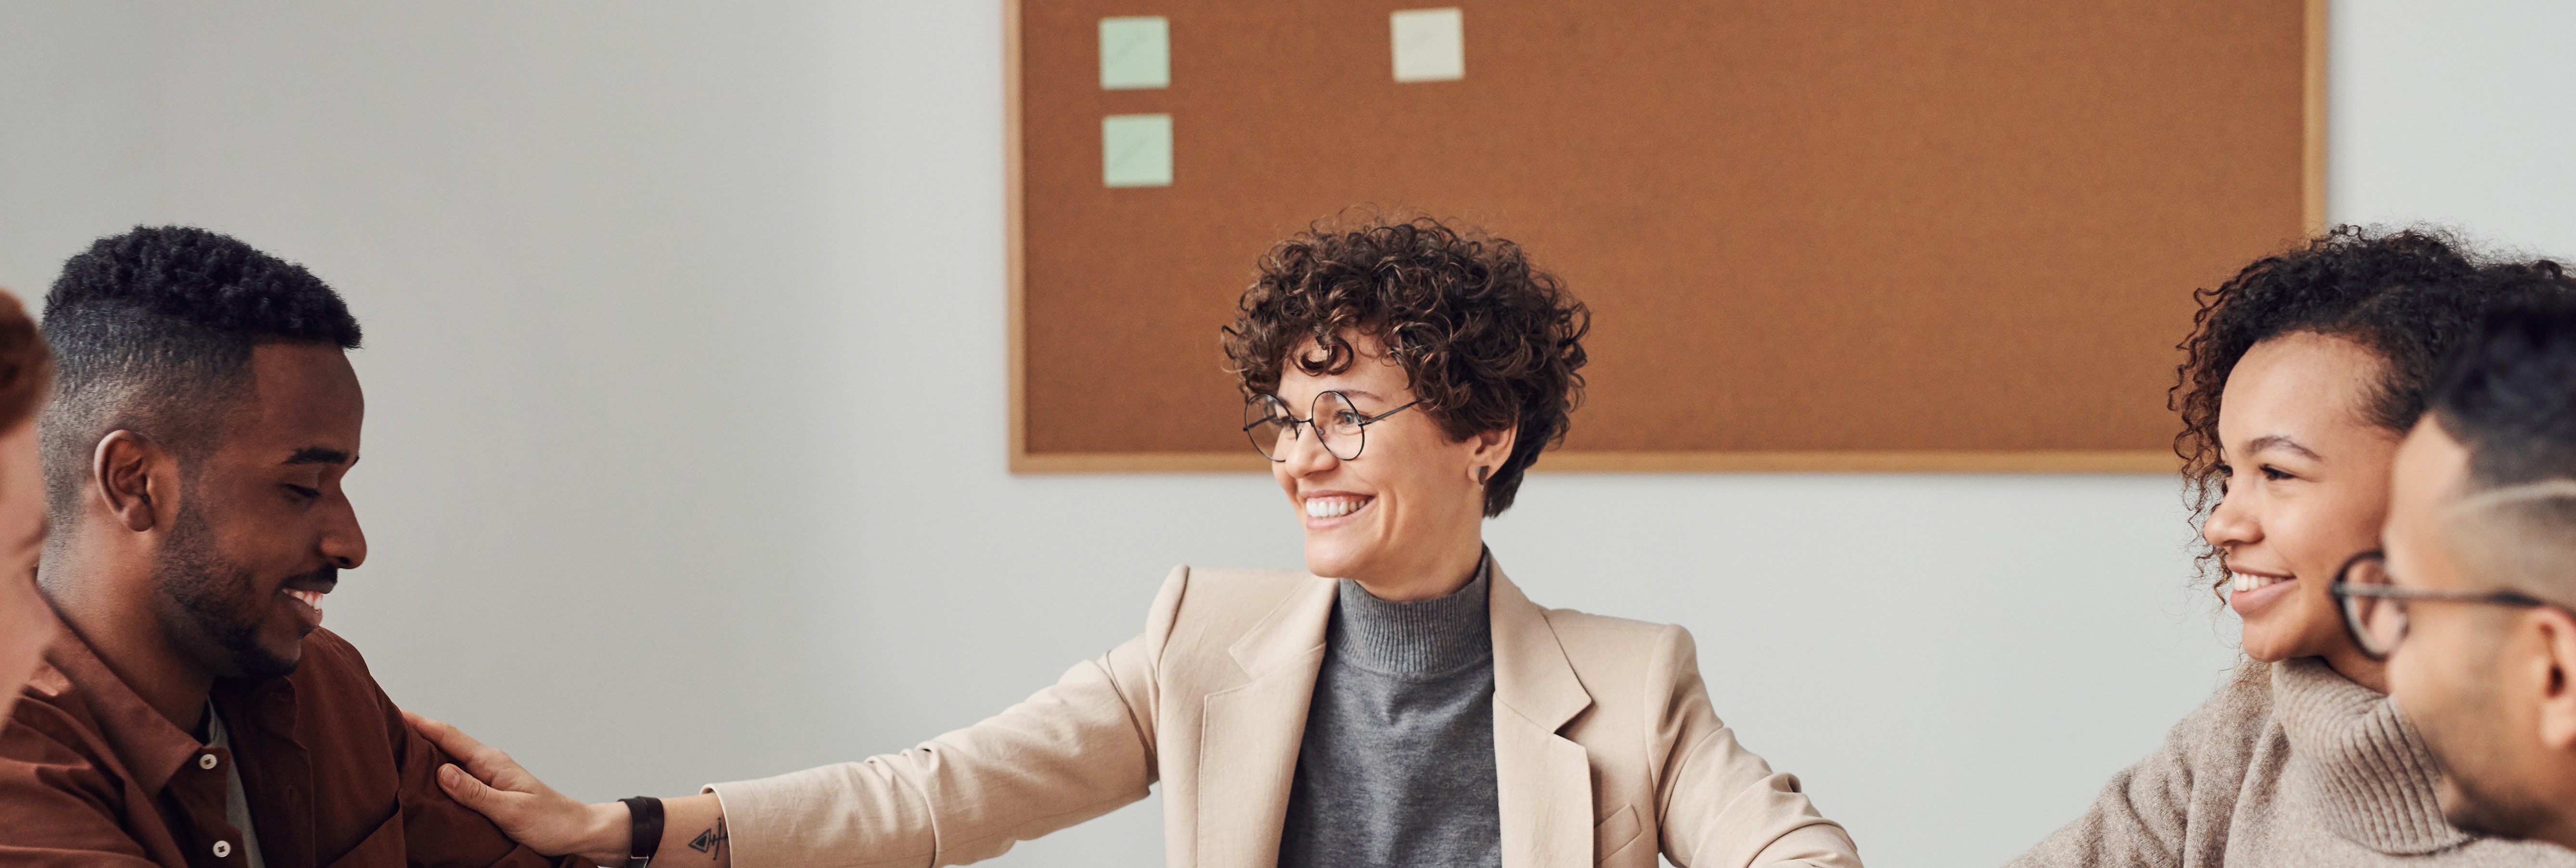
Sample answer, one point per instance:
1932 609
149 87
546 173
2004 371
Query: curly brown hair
1488 341
2409 296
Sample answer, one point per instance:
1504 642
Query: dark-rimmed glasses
2374 607
1338 425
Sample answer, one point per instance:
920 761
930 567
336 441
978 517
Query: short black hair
151 332
2510 397
2409 296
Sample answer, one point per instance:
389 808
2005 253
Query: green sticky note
1135 52
1136 150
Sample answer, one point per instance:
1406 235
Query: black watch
644 825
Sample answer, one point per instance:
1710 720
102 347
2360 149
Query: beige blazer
1605 749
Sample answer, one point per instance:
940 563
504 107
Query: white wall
2455 113
685 340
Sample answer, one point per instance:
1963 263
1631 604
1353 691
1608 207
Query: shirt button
206 761
223 849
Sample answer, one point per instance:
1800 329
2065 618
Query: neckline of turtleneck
2373 772
1420 639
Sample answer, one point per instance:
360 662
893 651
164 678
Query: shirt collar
151 747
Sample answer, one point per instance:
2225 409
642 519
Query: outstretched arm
1077 749
1072 752
693 827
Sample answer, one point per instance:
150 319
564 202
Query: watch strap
645 830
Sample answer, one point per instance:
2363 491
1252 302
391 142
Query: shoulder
1234 582
1606 634
1628 667
332 665
334 690
54 723
325 651
67 707
2229 727
56 761
50 694
2241 704
1597 642
1222 596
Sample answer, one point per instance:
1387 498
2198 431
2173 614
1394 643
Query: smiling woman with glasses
1400 702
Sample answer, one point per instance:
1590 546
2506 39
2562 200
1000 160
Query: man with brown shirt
193 713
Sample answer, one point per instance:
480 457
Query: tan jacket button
206 761
223 849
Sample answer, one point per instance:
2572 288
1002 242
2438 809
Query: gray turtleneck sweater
2289 764
1397 766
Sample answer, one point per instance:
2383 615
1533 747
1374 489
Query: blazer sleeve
1074 751
1723 806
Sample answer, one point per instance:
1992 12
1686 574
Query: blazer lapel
1249 733
1543 781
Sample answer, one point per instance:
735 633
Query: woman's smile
2250 592
1334 508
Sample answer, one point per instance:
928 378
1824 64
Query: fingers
447 737
481 759
469 792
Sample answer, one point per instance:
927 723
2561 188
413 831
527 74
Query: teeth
1332 507
2249 581
309 598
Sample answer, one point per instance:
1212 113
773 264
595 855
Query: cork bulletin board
1815 235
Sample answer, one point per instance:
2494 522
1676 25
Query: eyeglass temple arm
2392 592
1407 405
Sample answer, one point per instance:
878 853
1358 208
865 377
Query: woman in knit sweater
2304 372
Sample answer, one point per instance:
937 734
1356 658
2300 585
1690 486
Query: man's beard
212 602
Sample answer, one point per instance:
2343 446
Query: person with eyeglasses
2473 604
2303 373
1399 703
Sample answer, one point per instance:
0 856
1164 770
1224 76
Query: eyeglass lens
2379 623
1336 422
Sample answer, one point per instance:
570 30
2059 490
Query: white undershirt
236 799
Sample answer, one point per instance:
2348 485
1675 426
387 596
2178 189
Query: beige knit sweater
2288 764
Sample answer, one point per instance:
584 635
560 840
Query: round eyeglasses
1338 425
2374 607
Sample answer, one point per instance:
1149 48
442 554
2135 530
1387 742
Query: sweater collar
1417 639
2374 777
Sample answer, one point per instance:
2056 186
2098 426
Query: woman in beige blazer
1416 709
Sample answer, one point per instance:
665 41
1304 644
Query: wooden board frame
2313 211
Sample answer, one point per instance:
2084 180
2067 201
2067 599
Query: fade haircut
152 332
2510 399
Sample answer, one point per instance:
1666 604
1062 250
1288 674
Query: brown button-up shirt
90 775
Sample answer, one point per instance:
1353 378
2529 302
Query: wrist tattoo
710 841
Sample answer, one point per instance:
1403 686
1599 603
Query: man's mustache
323 579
